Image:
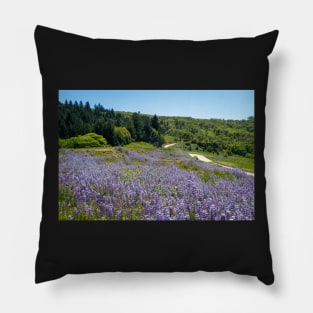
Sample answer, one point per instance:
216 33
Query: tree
63 133
147 130
154 136
138 125
155 122
130 126
87 106
230 137
121 136
98 128
108 132
119 119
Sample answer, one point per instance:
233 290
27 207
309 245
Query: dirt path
200 157
170 145
205 159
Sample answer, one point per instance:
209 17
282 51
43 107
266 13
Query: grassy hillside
215 136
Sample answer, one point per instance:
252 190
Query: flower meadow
118 184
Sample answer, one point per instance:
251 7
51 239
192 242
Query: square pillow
154 155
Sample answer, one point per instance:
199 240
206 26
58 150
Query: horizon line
151 114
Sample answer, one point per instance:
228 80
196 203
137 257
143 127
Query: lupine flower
142 186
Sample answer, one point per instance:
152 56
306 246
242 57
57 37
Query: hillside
215 136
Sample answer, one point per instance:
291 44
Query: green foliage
215 136
169 139
86 141
121 136
80 119
139 146
210 176
188 166
155 122
206 176
245 163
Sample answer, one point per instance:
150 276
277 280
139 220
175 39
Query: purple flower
151 186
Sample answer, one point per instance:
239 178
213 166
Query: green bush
83 141
121 136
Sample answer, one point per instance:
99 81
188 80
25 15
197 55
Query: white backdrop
288 155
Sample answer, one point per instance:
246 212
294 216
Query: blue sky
225 104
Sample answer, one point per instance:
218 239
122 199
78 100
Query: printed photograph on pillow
156 155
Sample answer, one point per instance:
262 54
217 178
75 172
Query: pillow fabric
121 189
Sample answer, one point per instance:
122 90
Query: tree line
119 128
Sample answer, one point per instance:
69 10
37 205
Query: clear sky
225 104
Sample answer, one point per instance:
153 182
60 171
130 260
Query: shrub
121 136
83 141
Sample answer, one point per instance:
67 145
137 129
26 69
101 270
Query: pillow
154 155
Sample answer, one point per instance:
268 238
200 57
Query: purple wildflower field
121 185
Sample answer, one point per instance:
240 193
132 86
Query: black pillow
121 190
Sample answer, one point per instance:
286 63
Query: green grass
209 177
232 161
99 151
169 139
187 166
139 146
205 175
244 163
